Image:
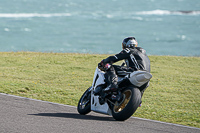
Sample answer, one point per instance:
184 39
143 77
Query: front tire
84 105
128 105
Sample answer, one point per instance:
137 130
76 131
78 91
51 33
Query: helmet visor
123 46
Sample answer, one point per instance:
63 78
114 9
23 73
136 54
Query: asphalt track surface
24 115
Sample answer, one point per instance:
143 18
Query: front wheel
84 105
131 99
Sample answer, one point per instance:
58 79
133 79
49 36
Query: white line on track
75 107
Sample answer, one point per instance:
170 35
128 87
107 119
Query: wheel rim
118 107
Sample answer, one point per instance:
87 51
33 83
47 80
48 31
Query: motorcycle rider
135 58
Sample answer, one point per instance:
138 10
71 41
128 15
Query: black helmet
129 42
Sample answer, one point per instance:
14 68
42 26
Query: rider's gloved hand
104 66
101 65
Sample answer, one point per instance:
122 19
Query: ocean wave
30 15
132 15
166 12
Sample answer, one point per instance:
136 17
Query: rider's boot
111 88
112 80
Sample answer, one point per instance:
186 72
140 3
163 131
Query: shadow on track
75 116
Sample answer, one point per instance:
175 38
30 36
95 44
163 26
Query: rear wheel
131 98
84 105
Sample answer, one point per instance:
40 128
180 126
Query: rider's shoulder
126 51
131 50
141 50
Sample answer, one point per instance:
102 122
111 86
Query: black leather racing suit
135 59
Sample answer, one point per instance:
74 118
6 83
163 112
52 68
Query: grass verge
173 94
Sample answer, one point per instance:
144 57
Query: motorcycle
121 104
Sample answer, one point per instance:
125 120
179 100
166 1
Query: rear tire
129 104
84 105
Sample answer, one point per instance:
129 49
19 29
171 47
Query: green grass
173 94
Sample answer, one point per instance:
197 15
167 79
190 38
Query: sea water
162 27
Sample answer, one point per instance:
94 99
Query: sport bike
120 104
